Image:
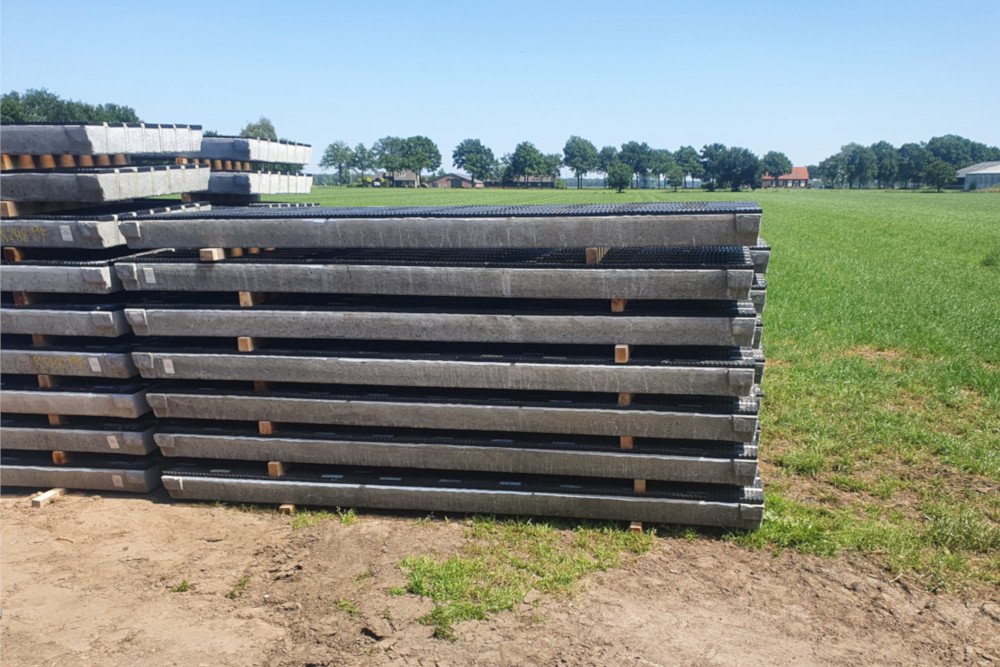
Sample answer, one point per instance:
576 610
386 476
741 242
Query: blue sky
802 78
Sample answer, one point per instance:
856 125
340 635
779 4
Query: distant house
403 178
799 178
979 176
525 182
454 181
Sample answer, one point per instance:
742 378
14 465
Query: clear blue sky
803 78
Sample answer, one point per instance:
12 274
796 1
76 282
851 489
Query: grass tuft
182 587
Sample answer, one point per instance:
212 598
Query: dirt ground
86 581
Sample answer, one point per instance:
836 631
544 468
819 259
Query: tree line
41 106
912 165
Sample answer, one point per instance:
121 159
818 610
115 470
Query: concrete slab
98 474
761 253
99 139
101 321
252 150
758 292
722 380
357 278
132 438
623 464
79 278
257 183
78 363
324 227
103 185
736 331
461 501
124 404
646 423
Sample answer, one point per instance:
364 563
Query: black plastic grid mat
23 457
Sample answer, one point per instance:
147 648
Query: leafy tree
607 158
687 158
363 159
776 164
638 157
475 158
550 166
619 176
886 163
738 167
42 106
913 160
526 161
338 155
420 153
939 173
711 156
661 162
861 164
389 154
209 133
675 175
581 156
262 129
833 171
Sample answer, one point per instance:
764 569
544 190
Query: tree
581 156
526 161
833 171
41 106
675 175
913 160
550 165
338 155
420 153
687 158
363 159
738 167
939 173
638 156
619 176
262 129
607 158
475 158
886 163
776 164
860 163
711 156
661 162
389 154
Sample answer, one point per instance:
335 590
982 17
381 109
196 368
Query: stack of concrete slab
241 168
581 361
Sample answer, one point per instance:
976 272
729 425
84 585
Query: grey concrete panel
92 479
458 501
582 329
560 283
758 297
104 185
81 234
94 278
761 255
101 441
55 322
46 361
527 419
724 229
252 150
258 183
100 139
623 464
719 381
48 401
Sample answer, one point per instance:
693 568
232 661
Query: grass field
882 395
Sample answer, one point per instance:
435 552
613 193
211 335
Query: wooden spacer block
269 249
247 343
261 385
286 509
622 354
43 499
266 428
6 162
85 161
119 160
277 468
227 165
102 160
47 381
41 340
618 305
246 166
625 398
635 526
46 161
8 209
596 254
61 458
248 299
216 165
24 298
25 162
67 162
181 160
236 252
212 254
253 251
639 486
13 255
57 420
627 442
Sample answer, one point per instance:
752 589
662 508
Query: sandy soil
86 581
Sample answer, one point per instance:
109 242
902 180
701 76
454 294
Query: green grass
306 518
182 587
346 605
882 396
238 588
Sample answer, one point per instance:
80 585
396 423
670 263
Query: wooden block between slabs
253 251
85 161
277 468
596 254
67 162
57 420
41 340
627 442
43 499
46 161
13 255
236 252
181 160
639 486
212 254
248 299
47 381
625 398
119 160
102 160
247 343
622 354
261 385
618 305
6 162
61 458
24 298
635 526
266 428
286 509
25 162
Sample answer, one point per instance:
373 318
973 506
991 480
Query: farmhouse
979 176
454 181
799 178
404 178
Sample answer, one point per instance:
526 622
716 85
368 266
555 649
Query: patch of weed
343 604
182 587
238 588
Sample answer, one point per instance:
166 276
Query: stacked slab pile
580 361
74 408
242 168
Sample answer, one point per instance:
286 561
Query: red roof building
799 178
